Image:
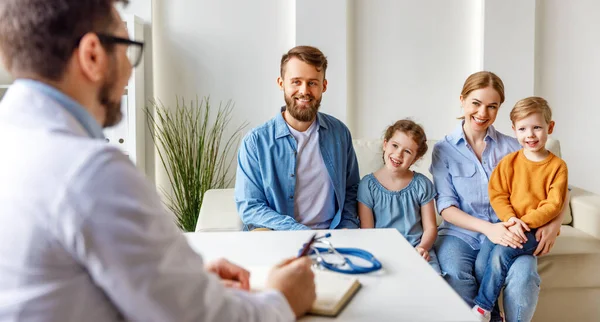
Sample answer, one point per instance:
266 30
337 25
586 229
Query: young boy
528 187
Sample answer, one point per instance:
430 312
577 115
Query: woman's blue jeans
521 290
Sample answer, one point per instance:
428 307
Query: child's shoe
482 314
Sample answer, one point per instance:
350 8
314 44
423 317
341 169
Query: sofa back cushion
370 158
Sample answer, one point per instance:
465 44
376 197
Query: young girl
396 197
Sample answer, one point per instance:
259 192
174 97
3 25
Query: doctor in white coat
83 235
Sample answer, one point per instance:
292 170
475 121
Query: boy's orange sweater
532 191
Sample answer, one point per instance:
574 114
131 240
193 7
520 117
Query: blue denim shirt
462 181
266 174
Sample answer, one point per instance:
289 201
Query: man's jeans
457 261
492 265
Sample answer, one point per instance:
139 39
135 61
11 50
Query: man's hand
230 274
519 228
296 281
423 252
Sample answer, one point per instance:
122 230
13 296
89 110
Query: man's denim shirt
462 181
266 174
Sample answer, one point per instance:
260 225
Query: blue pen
306 247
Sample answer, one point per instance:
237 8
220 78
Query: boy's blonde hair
531 105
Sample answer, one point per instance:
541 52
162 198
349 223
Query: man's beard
306 113
112 108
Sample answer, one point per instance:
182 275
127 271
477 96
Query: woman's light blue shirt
398 209
462 181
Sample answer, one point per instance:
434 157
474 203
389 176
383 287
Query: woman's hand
423 252
546 235
499 234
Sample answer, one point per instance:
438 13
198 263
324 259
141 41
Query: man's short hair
308 54
531 105
39 36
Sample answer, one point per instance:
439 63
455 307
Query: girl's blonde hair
411 129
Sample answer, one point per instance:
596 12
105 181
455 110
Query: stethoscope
344 264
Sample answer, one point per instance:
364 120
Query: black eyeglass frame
109 39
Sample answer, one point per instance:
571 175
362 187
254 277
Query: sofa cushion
218 212
370 158
573 262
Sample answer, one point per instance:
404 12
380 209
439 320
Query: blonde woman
461 167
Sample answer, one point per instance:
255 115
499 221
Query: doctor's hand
231 275
296 281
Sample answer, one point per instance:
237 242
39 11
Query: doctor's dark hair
412 130
38 37
308 54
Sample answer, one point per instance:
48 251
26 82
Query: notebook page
334 290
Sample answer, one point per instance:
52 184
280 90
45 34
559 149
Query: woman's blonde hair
481 80
531 105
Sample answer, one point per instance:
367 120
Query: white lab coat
84 236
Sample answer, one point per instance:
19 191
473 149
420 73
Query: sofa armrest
218 211
585 209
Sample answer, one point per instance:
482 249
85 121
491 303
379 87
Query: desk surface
406 289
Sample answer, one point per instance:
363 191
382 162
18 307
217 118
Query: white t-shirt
314 199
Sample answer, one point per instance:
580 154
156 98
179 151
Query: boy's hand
423 252
519 228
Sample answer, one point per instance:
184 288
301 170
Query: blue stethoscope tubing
354 269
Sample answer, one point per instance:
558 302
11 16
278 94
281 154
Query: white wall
227 49
389 59
509 51
568 76
410 59
315 21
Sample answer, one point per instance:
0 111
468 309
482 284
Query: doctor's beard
112 107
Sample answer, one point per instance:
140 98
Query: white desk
406 289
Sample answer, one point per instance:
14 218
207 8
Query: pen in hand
306 248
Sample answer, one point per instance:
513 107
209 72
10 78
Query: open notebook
334 290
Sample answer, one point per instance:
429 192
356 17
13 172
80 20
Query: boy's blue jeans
492 265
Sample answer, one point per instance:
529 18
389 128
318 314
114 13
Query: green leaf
193 151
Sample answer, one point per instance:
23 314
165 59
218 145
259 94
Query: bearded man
299 169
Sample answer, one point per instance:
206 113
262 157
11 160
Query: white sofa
570 289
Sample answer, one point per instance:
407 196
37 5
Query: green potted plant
193 151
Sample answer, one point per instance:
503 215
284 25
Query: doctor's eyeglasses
135 49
